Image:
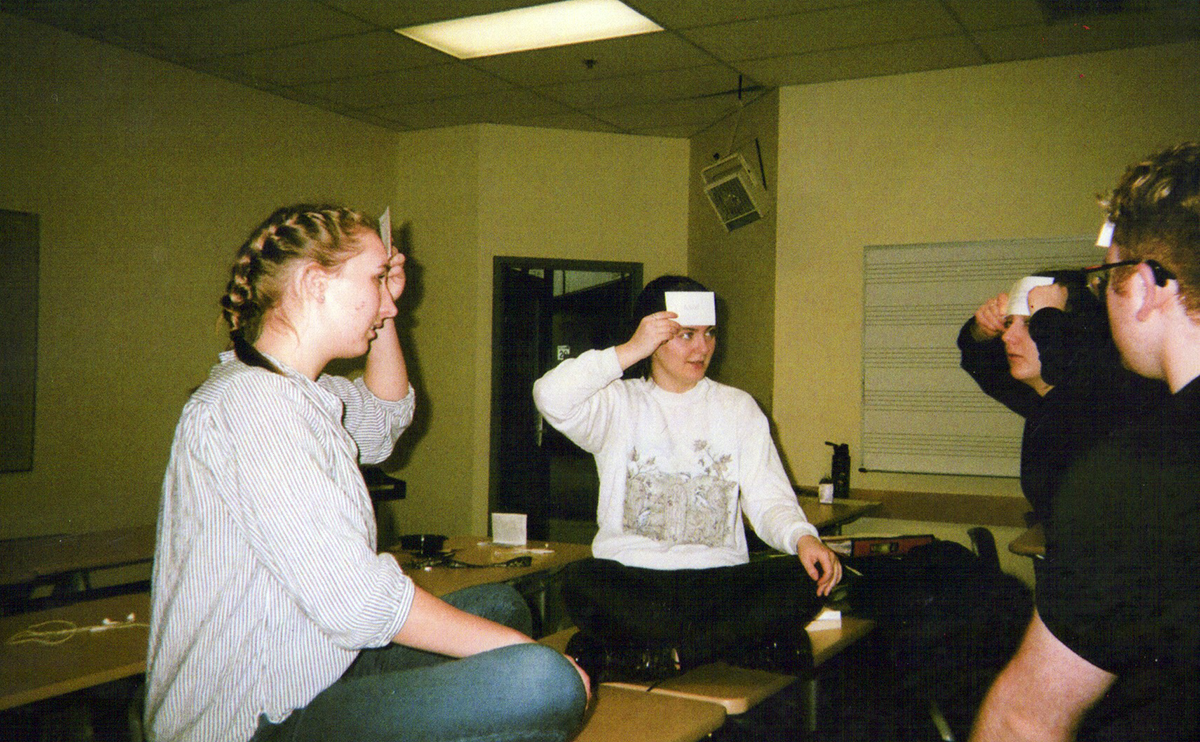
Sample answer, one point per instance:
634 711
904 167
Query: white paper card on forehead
695 308
508 529
1105 238
1018 295
385 229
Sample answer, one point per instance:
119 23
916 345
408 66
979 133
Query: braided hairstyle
293 234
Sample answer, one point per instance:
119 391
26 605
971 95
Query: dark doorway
544 311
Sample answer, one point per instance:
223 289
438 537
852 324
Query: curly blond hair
1155 211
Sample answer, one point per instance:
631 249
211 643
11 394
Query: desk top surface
737 689
29 559
32 671
1032 543
837 513
440 580
623 714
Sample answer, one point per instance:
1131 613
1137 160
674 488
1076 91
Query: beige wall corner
739 265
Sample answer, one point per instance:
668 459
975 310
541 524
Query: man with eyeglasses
1113 650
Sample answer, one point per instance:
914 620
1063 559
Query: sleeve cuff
799 530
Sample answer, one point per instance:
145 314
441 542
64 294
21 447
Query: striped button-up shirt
266 580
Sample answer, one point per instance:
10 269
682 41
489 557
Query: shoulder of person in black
1122 571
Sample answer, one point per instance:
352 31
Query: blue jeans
526 692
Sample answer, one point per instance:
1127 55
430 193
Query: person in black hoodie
1113 650
1044 351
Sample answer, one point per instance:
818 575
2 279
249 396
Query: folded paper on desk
508 529
864 546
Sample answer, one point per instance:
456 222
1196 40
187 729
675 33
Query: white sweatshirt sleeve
768 498
578 397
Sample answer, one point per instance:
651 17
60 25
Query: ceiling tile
1088 34
976 15
676 14
407 86
238 28
84 16
329 59
859 25
682 131
612 58
574 121
690 82
698 111
342 55
396 13
865 61
370 118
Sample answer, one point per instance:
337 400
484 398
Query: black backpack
947 620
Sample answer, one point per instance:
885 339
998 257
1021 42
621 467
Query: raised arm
574 395
983 358
386 374
988 322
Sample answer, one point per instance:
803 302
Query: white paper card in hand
695 308
508 529
385 229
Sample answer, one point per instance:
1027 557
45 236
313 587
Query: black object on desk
423 544
840 469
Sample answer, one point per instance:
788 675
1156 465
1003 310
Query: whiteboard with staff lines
921 412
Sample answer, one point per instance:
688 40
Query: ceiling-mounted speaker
734 193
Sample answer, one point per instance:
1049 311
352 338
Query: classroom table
440 579
738 689
1032 543
829 518
44 558
535 581
35 671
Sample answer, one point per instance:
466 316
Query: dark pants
706 614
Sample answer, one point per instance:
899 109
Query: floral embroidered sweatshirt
677 471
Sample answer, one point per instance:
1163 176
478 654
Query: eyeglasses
1097 275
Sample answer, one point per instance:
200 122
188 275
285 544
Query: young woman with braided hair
272 615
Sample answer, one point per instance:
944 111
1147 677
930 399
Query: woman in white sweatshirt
681 459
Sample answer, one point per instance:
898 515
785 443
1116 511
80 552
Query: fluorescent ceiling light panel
535 27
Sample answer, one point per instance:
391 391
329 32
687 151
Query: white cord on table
58 631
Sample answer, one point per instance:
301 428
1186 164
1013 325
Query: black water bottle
840 469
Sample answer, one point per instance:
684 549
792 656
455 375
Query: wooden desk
33 672
833 516
1032 543
738 689
440 580
619 715
45 557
